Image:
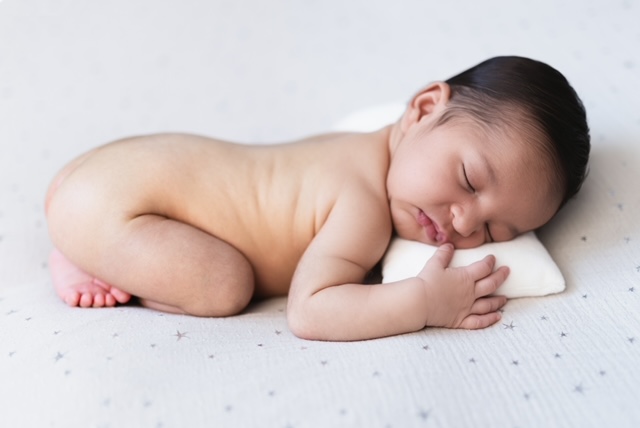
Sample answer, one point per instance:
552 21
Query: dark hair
497 86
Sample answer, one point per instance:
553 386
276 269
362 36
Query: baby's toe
86 300
119 295
109 300
72 298
98 300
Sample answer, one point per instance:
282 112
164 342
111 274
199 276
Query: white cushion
532 270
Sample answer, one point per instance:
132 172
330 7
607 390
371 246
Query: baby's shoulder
355 166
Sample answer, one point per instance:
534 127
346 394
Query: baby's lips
441 236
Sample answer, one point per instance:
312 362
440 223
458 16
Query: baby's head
510 131
536 99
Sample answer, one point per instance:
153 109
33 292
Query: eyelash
489 233
464 171
473 190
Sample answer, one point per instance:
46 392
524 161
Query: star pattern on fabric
509 326
181 335
424 414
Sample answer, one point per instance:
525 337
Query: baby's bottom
171 266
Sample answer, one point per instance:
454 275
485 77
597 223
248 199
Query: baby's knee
218 306
225 298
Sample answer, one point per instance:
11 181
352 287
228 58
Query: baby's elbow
302 325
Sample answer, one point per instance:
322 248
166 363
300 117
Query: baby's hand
459 297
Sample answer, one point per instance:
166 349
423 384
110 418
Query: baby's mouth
431 229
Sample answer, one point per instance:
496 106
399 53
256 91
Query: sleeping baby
194 225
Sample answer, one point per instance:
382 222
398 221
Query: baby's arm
327 300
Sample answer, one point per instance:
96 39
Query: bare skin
200 226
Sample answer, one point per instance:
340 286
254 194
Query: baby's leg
106 224
169 265
77 288
174 267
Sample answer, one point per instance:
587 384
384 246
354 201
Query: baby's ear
432 99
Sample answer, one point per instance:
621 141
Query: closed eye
471 188
489 233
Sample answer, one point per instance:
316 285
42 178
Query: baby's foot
77 288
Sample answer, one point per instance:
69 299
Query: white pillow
532 270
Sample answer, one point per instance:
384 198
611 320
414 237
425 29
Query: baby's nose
464 221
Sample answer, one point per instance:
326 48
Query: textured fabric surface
75 74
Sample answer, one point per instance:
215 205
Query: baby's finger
481 268
443 255
488 304
490 284
474 322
